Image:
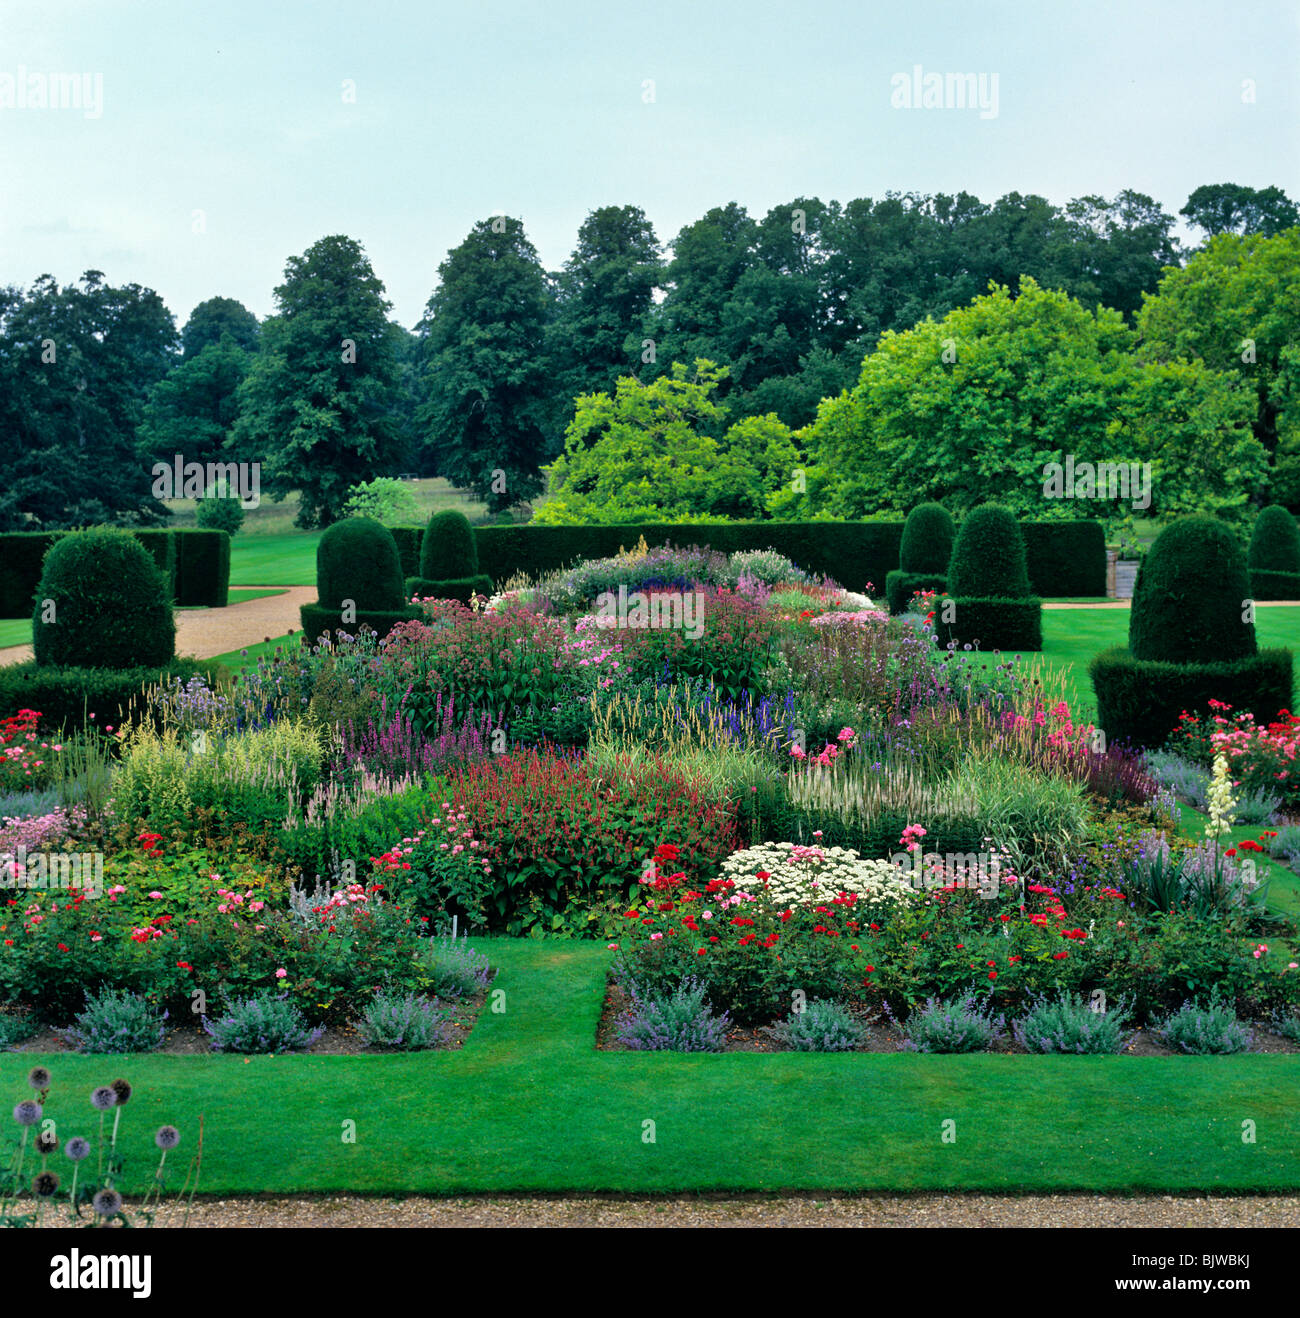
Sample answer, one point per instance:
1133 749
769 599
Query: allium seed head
44 1184
123 1091
168 1137
77 1148
103 1098
28 1112
38 1077
107 1202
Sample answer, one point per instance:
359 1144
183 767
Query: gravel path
205 633
946 1210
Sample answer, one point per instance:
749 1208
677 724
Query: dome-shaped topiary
448 550
1190 595
357 560
988 556
102 603
1274 557
928 536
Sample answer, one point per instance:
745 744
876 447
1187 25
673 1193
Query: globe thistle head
47 1142
77 1148
107 1202
122 1089
28 1112
167 1138
38 1077
103 1098
44 1184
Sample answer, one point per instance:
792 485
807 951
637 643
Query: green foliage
403 1021
956 1025
15 1028
1274 556
657 451
316 406
72 698
262 1024
1139 701
202 567
1188 602
448 550
215 319
969 409
901 586
218 511
928 535
451 968
192 410
115 1021
384 499
489 395
1209 1030
357 560
988 556
76 366
1069 1024
1231 208
1066 558
1008 625
111 606
820 1027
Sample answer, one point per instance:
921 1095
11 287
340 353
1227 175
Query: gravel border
928 1210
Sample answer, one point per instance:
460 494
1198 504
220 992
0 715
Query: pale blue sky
538 110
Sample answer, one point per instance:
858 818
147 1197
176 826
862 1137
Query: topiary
449 561
988 556
448 551
1190 595
1274 557
357 560
928 536
923 555
102 602
358 581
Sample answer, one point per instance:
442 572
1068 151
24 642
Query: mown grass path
530 1105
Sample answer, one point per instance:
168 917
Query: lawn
1071 637
530 1105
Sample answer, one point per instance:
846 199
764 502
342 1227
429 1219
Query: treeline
96 382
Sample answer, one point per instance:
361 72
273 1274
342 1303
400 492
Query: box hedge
984 623
68 697
195 563
900 586
202 568
1139 700
1066 558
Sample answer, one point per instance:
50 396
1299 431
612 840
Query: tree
192 410
973 409
1236 307
1118 250
76 365
1219 208
215 317
657 451
317 405
605 303
489 396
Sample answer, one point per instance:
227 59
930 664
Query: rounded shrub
988 557
102 602
1274 556
218 512
448 551
1188 600
928 536
357 560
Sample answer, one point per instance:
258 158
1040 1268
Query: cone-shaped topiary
102 602
1274 557
988 557
448 550
928 536
357 560
1190 595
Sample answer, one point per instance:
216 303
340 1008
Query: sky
213 141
